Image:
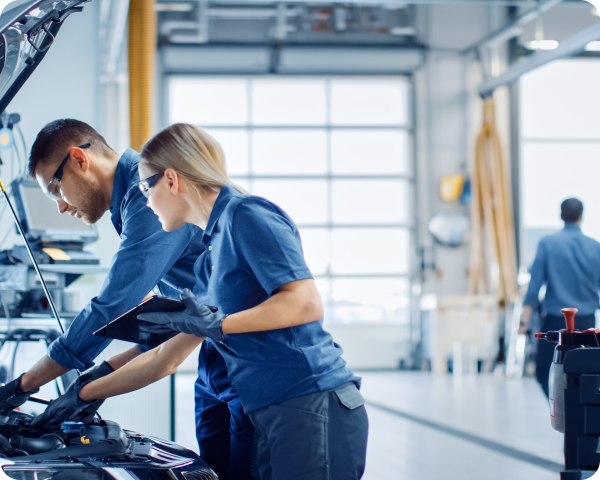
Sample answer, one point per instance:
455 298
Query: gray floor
430 427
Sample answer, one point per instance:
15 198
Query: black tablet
126 327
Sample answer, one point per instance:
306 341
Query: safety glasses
53 188
148 183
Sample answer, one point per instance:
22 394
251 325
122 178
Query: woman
288 372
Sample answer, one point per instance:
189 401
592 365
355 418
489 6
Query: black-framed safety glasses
148 183
61 168
52 190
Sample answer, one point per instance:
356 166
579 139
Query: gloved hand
87 414
67 407
11 395
196 319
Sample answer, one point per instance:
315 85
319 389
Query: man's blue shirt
147 256
252 249
568 263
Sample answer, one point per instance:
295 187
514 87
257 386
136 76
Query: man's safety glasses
53 188
148 183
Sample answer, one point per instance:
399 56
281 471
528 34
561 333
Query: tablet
126 327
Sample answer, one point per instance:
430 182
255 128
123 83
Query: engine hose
43 444
15 452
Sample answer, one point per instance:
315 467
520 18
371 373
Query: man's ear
83 162
174 182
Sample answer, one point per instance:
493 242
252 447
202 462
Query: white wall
448 120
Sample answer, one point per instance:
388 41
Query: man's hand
196 319
11 395
525 316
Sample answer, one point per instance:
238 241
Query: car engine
101 450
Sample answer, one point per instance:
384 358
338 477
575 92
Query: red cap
569 314
539 335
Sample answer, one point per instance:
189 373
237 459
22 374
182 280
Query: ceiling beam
567 48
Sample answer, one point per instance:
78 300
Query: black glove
65 408
196 319
87 414
11 396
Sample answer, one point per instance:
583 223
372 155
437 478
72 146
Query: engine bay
94 451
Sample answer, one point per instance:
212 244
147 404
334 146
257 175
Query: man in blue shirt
90 180
568 264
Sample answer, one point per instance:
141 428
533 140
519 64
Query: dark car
102 449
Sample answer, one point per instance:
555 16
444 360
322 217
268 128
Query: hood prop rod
32 256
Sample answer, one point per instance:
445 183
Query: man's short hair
53 141
571 210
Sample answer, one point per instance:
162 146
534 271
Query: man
568 263
75 167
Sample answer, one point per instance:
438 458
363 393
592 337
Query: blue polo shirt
147 256
253 248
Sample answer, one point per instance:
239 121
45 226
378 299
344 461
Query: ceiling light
173 7
593 47
594 12
542 45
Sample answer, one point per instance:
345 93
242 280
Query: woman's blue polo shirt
253 248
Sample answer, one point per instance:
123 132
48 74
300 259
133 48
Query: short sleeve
268 244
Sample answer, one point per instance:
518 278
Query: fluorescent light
593 47
542 45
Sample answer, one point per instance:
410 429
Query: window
334 153
560 147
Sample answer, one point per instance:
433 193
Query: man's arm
145 255
46 369
538 278
147 368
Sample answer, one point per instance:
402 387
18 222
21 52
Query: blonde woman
291 380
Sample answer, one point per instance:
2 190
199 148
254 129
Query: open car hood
27 31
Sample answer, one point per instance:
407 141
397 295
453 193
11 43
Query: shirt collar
122 182
572 226
225 195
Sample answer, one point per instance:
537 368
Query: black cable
32 256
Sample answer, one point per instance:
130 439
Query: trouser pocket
293 436
349 396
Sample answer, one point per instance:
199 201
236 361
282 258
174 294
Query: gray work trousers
322 436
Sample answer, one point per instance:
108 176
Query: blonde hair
192 153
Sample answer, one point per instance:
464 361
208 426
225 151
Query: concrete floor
428 427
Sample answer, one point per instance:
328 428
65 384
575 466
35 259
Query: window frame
410 225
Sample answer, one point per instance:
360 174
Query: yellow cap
84 440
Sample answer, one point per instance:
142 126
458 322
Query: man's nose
62 206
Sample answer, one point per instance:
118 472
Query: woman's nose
62 206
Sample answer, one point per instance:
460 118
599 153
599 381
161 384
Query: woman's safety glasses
148 183
53 188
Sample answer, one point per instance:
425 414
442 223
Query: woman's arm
143 370
292 304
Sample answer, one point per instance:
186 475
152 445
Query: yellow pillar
142 57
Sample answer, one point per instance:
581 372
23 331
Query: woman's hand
196 319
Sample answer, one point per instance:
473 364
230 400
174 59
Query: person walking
568 264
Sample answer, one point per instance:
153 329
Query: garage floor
429 427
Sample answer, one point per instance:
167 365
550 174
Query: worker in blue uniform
568 264
304 402
75 167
